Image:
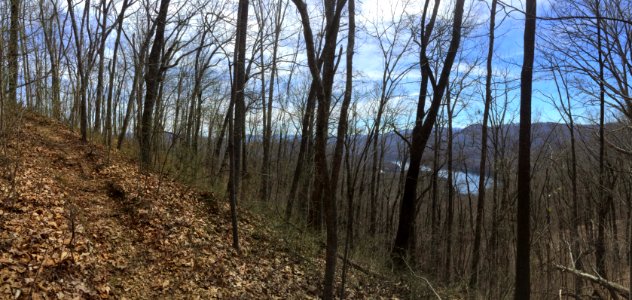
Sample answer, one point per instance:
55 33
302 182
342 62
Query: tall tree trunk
482 173
83 106
576 221
108 117
450 181
26 67
374 185
12 53
267 134
130 105
238 121
2 90
200 69
342 131
100 71
263 190
602 208
176 117
434 203
220 139
324 86
49 39
523 233
420 135
306 135
404 239
152 81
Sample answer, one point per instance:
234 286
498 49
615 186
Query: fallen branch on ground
424 279
363 269
612 286
359 267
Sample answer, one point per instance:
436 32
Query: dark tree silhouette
421 133
523 233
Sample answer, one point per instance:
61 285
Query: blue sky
508 56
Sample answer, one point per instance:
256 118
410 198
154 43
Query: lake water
461 179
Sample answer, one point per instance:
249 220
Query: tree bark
152 81
523 234
12 53
238 121
49 39
130 105
342 131
306 135
267 134
99 91
324 86
450 181
108 117
603 207
420 135
480 211
83 106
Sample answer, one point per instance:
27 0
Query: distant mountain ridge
467 142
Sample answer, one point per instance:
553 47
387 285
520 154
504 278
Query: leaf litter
74 227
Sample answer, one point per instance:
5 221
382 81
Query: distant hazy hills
545 138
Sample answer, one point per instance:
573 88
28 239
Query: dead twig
424 279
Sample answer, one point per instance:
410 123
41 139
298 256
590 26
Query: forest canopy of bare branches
477 148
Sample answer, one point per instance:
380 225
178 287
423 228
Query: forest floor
78 223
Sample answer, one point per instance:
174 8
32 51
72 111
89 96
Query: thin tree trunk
306 134
100 71
26 66
450 180
108 117
575 222
482 173
324 86
12 53
130 106
2 89
238 121
602 210
49 39
342 131
83 107
265 167
434 204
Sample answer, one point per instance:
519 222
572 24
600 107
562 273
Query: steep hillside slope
75 226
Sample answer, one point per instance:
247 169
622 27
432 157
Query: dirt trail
75 227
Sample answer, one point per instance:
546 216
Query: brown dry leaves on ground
74 227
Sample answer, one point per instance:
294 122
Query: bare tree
280 8
394 44
604 207
237 123
341 134
54 46
480 211
323 89
423 128
81 71
104 32
12 53
119 28
523 234
153 77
